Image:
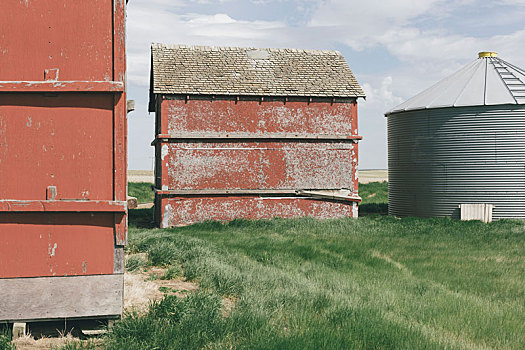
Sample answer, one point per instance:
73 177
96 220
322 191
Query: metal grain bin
253 133
62 159
461 141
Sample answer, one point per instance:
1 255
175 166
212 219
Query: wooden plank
61 86
255 136
62 140
120 119
328 194
225 192
258 118
19 330
188 210
277 165
31 299
73 36
62 206
331 194
118 260
41 244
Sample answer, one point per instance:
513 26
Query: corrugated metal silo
460 141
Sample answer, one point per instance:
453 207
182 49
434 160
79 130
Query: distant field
378 282
141 176
367 176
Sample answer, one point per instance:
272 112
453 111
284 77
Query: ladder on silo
514 84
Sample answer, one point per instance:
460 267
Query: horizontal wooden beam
61 86
254 136
325 194
62 206
223 192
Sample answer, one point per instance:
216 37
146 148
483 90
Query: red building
62 159
253 133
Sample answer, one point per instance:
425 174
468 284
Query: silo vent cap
483 54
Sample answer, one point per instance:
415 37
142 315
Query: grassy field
375 283
378 282
375 198
142 191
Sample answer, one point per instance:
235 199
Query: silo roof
486 81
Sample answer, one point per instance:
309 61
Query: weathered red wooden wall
63 215
225 158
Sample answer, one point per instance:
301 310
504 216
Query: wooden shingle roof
178 69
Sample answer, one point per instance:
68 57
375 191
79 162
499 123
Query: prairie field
378 282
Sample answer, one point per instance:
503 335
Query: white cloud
428 39
148 24
382 96
379 99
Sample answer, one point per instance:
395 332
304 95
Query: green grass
378 282
142 191
135 262
5 340
375 198
172 323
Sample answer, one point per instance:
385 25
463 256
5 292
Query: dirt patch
29 343
143 287
227 305
140 289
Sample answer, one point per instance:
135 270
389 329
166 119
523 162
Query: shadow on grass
141 218
373 208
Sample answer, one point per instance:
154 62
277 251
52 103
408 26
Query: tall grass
172 323
5 339
378 282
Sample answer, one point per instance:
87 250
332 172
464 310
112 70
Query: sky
395 49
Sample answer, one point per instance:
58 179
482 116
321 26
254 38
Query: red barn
253 133
62 159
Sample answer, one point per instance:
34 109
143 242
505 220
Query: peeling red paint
255 117
62 86
259 165
205 144
176 211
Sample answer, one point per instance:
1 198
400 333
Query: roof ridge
240 48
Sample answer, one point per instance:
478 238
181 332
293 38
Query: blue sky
395 48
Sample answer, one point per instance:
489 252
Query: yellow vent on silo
483 54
